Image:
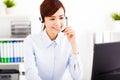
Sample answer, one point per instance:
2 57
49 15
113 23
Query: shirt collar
58 39
48 41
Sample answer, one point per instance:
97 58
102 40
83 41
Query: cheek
63 23
48 25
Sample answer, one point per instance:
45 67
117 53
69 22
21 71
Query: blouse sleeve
75 67
31 72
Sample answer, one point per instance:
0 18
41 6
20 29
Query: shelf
11 63
15 46
10 39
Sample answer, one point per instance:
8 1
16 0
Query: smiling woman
48 10
50 52
54 23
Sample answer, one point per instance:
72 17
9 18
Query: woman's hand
70 33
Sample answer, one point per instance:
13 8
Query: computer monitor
106 61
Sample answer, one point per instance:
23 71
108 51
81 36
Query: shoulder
32 37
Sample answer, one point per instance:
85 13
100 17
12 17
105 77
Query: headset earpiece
41 19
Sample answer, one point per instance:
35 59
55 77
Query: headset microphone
66 23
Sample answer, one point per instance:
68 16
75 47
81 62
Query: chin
56 32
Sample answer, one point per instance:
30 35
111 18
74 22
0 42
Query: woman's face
55 23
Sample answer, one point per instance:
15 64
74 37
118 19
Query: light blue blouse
47 60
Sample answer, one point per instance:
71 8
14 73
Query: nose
58 23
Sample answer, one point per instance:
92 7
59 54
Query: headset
41 19
65 18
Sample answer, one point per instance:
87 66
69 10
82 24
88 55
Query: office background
85 16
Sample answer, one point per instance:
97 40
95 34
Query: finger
67 28
70 32
70 35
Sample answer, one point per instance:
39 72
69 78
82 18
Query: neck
51 36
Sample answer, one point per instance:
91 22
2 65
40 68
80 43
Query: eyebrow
55 16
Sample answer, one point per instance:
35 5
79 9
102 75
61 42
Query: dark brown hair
49 7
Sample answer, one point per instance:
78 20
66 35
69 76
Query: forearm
31 72
74 47
32 75
75 67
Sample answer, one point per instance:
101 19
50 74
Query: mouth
56 29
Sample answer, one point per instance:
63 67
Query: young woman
49 53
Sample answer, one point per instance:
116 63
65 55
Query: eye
52 19
61 17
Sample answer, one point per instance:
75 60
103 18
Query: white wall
91 15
